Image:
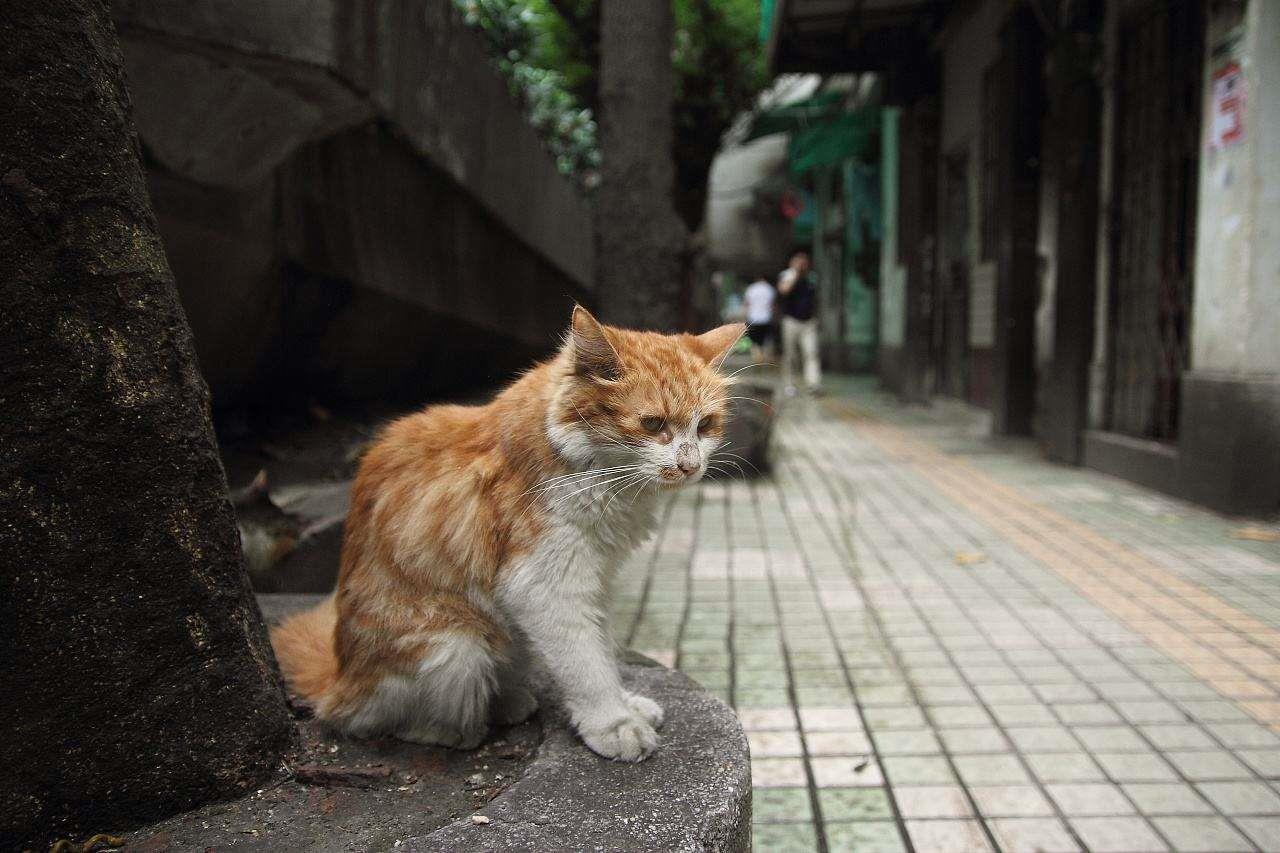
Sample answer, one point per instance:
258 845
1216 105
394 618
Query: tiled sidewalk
937 642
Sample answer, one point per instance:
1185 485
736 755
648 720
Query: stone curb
693 794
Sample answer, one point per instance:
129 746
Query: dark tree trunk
136 679
639 236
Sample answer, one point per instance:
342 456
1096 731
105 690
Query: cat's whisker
576 476
598 432
748 367
749 399
640 477
560 501
724 452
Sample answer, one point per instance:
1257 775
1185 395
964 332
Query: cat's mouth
673 476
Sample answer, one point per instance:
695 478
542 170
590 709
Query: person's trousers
800 335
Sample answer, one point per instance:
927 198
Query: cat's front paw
647 708
630 739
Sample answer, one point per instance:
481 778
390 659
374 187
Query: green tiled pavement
897 699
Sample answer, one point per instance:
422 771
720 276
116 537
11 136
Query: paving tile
1249 735
958 716
785 838
948 836
1265 831
1241 798
1150 712
917 770
1181 736
852 771
872 836
1065 767
907 742
837 743
816 719
1010 801
932 801
961 741
1208 765
1167 798
1032 835
839 804
1117 834
774 805
774 744
1265 761
1090 799
990 770
760 719
1110 738
1023 715
1042 739
777 772
1135 767
1085 713
1201 834
1005 694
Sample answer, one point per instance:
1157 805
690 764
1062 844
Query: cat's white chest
609 518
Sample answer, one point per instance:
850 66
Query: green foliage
522 39
549 51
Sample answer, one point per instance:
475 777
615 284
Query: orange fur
447 499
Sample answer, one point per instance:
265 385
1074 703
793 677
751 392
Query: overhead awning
796 116
837 36
851 134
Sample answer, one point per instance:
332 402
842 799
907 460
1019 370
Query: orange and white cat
479 535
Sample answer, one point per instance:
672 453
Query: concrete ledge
1230 441
1148 463
1228 451
694 794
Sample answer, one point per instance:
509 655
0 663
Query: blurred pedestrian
760 298
799 302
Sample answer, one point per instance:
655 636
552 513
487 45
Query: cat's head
652 406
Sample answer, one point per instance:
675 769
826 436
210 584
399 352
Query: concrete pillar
1229 444
1072 160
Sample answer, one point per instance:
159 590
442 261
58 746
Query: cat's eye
707 424
653 424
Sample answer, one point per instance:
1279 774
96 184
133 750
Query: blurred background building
1078 226
1063 212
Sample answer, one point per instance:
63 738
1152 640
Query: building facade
1081 207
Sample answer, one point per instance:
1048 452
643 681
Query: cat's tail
304 647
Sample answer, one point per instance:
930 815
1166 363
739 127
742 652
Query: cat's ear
593 355
260 485
715 345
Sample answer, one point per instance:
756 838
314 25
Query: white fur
446 702
557 593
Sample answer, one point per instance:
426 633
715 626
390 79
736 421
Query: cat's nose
687 459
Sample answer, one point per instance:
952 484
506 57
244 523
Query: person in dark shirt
798 296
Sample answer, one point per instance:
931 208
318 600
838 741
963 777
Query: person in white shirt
759 299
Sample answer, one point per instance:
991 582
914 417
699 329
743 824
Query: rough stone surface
135 674
693 794
312 566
